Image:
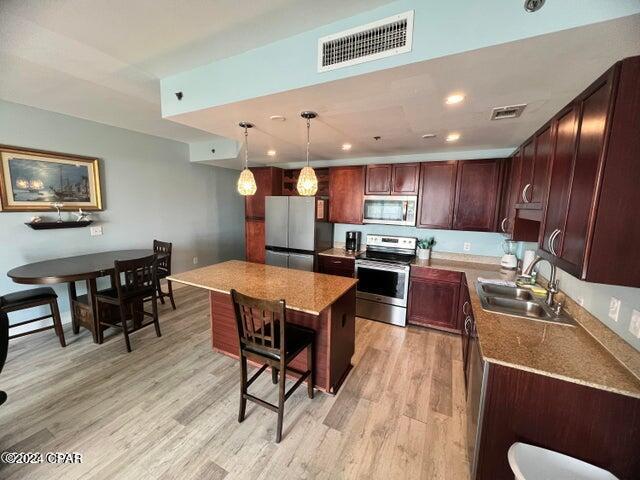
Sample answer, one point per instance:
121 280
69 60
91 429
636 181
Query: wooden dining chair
34 297
135 281
164 269
265 337
4 347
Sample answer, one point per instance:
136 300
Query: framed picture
31 180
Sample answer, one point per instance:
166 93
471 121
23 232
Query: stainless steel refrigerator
296 228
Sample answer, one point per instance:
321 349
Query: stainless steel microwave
390 209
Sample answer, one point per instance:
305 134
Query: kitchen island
324 303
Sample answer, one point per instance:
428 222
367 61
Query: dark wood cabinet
437 194
467 324
290 182
341 266
433 299
527 155
589 228
541 162
346 194
254 240
392 179
477 188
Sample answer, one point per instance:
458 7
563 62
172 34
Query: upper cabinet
437 194
590 228
346 194
269 182
535 160
392 179
477 189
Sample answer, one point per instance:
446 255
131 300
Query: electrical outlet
580 301
95 231
614 308
467 246
634 326
195 260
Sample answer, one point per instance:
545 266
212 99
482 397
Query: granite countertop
339 252
303 291
570 353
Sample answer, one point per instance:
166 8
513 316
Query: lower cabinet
433 299
341 266
467 325
254 241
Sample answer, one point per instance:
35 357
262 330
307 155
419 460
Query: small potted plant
424 248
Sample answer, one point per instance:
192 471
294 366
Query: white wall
150 190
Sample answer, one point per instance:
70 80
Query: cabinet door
269 182
343 267
504 208
541 163
566 127
526 172
405 178
572 241
434 304
514 191
437 194
476 195
378 179
254 241
346 192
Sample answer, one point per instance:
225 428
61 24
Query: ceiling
101 59
402 104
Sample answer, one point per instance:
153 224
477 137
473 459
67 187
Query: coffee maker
352 241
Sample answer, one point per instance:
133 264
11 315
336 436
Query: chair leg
173 302
310 378
125 330
160 293
156 323
99 332
243 387
281 385
274 375
57 322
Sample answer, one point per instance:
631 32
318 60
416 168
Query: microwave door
384 210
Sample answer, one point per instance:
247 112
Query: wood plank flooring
168 410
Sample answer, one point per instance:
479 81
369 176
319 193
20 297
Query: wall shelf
55 225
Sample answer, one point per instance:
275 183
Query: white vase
424 253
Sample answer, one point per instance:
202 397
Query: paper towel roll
527 259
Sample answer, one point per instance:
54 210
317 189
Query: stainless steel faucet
552 286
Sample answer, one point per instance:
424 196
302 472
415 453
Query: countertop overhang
306 292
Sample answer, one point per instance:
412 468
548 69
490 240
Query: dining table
80 268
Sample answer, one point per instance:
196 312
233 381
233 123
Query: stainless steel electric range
383 278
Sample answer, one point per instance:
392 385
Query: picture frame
32 180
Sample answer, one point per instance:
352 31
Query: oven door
389 210
382 282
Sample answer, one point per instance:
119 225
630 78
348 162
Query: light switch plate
614 308
467 246
95 231
634 326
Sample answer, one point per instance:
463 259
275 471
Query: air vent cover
511 111
386 37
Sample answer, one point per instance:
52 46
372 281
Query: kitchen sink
507 292
518 302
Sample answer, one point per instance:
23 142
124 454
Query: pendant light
246 181
307 181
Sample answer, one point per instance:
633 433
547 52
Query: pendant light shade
307 181
246 181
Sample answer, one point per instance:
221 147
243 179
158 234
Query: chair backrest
164 261
139 276
261 323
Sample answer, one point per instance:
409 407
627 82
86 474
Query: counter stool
35 297
265 336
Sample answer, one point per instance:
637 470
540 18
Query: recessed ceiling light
346 146
452 137
454 98
278 118
271 153
429 135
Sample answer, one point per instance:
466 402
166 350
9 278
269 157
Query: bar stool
265 337
35 297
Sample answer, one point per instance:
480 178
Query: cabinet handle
524 193
553 242
467 325
464 308
502 227
550 241
336 261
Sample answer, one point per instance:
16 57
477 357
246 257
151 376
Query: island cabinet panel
437 194
343 267
254 241
433 299
346 194
378 180
596 426
405 179
478 185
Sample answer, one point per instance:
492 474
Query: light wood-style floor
169 409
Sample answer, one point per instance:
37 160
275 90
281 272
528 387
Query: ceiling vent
511 111
384 38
